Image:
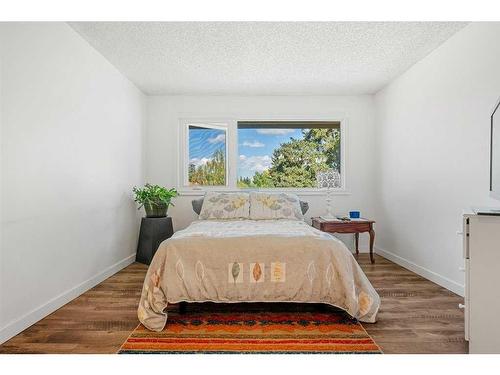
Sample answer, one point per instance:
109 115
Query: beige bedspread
254 261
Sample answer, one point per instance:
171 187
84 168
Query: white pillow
265 206
222 206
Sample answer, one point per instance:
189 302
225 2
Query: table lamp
328 180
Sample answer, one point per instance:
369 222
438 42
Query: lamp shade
328 179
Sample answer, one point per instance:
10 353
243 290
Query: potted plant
155 199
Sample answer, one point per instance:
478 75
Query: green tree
212 173
244 182
296 162
263 180
327 142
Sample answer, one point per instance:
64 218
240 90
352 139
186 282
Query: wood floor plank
416 315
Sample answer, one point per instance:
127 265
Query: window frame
231 126
217 125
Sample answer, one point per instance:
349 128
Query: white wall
162 142
433 152
1 184
71 149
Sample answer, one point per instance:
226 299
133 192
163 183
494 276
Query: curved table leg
372 240
356 241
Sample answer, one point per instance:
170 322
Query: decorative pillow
265 206
225 206
198 203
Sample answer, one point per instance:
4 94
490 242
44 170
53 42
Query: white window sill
303 192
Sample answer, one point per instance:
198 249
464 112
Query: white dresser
482 282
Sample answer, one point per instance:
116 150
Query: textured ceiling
278 58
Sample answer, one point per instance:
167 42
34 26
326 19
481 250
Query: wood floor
416 316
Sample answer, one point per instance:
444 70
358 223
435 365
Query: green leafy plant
155 199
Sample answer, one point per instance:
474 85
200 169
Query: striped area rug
253 332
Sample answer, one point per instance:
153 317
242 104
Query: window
234 154
207 161
286 154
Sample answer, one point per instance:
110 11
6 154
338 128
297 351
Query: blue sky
255 146
203 143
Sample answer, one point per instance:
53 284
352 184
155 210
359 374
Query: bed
254 260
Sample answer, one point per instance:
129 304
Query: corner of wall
432 126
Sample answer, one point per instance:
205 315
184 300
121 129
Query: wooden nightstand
354 226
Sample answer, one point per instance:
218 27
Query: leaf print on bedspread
278 272
235 271
329 275
179 269
335 283
365 303
256 272
155 279
199 270
311 272
235 275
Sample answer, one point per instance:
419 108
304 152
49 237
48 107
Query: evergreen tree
263 180
296 162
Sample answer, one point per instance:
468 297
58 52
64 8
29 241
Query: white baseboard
19 325
422 271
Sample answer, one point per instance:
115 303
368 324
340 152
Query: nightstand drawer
346 227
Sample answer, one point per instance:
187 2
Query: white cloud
255 163
253 144
218 139
275 131
199 161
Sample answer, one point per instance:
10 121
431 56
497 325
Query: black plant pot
156 209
